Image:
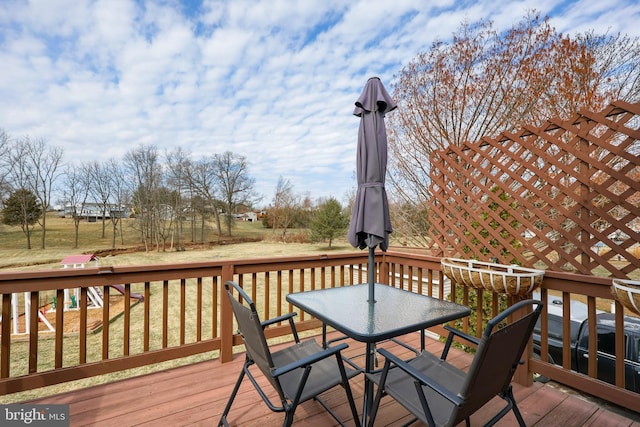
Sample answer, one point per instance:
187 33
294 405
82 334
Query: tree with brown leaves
484 82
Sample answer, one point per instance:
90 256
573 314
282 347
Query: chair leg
223 418
511 405
288 419
352 404
376 401
347 390
374 407
516 411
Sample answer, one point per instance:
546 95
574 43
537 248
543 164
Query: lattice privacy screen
562 196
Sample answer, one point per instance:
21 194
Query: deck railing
183 313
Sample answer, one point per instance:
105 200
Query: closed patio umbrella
370 223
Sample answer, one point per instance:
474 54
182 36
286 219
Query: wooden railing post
226 317
383 274
523 374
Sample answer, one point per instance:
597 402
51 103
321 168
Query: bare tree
43 164
203 178
168 200
178 165
19 175
143 165
236 186
35 166
101 187
285 208
200 210
77 185
118 198
615 70
5 156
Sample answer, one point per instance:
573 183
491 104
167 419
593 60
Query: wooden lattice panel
565 195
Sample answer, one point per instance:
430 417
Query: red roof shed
77 261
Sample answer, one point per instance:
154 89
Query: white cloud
274 80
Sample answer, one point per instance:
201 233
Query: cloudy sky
272 80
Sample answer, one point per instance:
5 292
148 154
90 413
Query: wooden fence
564 196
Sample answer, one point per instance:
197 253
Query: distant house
248 216
91 212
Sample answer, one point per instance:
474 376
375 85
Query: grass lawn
60 243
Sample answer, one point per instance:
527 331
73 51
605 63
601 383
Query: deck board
195 395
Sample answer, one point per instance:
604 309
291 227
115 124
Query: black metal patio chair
297 373
439 394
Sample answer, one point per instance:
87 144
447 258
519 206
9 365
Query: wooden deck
195 395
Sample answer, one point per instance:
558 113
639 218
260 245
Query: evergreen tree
329 221
22 208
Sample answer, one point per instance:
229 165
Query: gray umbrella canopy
370 223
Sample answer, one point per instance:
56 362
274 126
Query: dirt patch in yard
183 247
72 317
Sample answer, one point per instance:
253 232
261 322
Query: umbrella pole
371 271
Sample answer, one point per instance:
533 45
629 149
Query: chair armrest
466 336
309 360
452 332
418 376
278 319
282 318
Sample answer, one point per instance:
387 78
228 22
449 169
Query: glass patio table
395 312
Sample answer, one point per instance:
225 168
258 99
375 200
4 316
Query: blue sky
273 80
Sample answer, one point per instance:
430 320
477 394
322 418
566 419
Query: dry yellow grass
60 243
